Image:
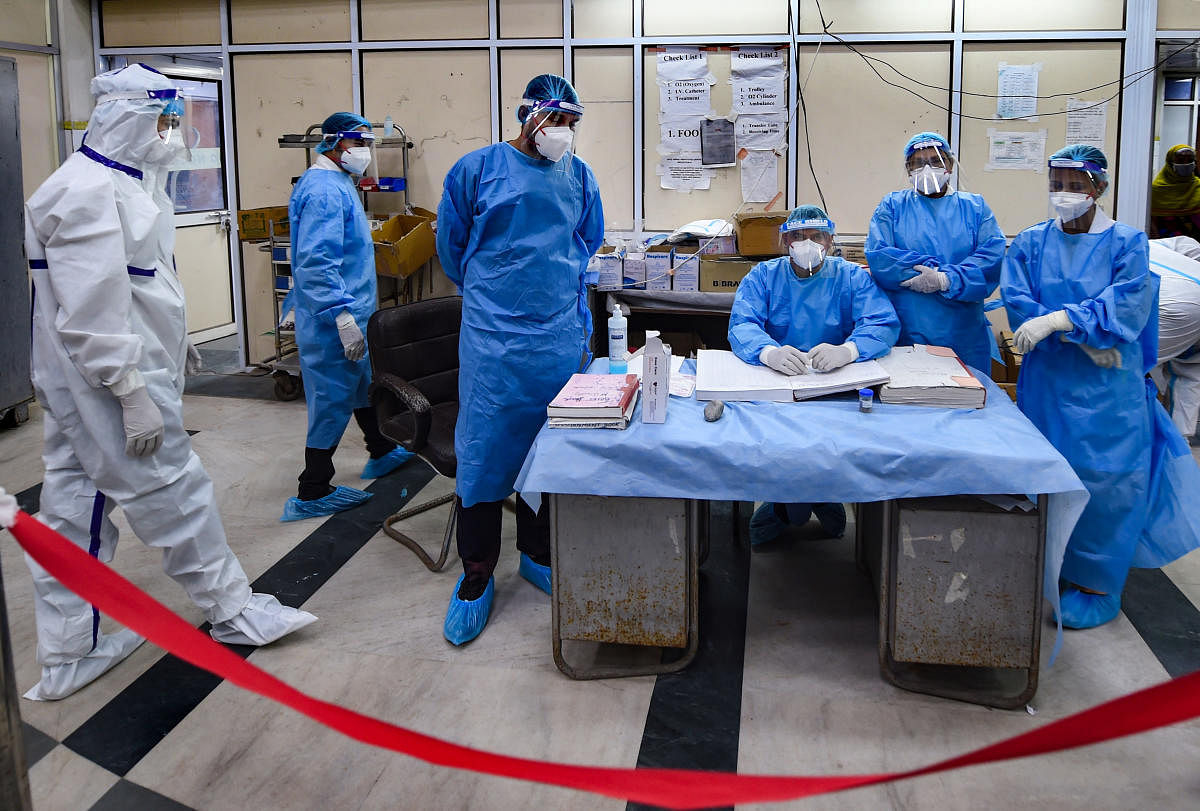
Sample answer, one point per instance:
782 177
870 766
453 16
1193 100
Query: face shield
552 127
929 167
1074 186
807 242
169 110
357 155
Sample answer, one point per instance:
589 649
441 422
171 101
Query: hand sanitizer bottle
618 342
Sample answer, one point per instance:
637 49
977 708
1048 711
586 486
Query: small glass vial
866 400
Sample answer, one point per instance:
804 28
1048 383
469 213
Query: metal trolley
285 366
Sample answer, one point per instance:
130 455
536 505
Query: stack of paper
930 376
594 401
722 375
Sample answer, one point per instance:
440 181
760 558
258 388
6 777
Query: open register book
930 376
722 375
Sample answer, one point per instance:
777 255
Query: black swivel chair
414 360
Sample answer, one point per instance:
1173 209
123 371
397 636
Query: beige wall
24 22
1018 197
145 22
1040 15
1180 15
531 18
676 19
39 139
289 21
873 16
603 18
423 19
276 94
517 67
604 79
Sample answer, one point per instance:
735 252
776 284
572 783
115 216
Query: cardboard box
658 267
758 232
1012 360
723 274
607 264
1010 389
253 223
634 271
403 245
709 246
685 270
854 252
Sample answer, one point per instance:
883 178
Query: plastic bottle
866 400
618 343
389 127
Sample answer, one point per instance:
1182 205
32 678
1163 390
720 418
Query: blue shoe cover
765 525
1082 610
386 464
465 618
342 498
832 518
535 573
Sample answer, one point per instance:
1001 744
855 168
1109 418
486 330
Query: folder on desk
930 376
722 375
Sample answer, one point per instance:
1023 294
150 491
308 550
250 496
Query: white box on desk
658 267
656 379
635 271
607 265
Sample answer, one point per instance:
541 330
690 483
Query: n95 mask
553 142
928 180
1070 205
807 254
356 159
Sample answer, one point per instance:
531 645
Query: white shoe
262 621
60 681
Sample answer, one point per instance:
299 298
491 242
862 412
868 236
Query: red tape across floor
1169 703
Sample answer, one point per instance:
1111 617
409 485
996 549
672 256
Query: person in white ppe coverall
109 354
1176 261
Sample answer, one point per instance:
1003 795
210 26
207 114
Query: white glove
194 362
143 422
786 359
1035 330
353 342
1104 358
827 357
930 280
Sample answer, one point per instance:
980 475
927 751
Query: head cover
808 218
548 92
335 125
1083 157
1172 193
926 139
123 129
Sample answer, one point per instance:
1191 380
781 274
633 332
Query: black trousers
318 462
479 536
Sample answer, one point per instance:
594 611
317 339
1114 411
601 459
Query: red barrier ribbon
1168 703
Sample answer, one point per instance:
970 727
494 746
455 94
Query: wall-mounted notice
683 173
682 63
760 176
762 93
679 135
1016 150
716 142
1017 90
751 60
1087 122
760 132
685 97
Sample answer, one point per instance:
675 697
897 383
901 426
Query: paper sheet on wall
1087 122
683 173
760 132
759 93
685 97
716 142
760 176
1016 150
681 63
679 135
1017 89
752 60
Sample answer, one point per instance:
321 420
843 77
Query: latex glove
786 359
353 342
1104 358
930 280
827 357
194 362
143 422
1035 330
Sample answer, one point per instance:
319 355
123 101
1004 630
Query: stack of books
594 401
930 376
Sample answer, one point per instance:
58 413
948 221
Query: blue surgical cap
547 87
924 139
340 122
808 217
1088 153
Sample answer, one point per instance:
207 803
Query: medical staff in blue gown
936 253
333 273
1080 294
804 311
517 224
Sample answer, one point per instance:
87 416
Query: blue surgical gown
1106 422
333 270
958 235
774 307
514 235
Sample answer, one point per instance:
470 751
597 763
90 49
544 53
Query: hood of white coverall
126 130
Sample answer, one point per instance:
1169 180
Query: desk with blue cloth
817 451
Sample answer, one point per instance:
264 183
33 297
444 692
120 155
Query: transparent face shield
357 155
807 242
552 127
1073 187
929 168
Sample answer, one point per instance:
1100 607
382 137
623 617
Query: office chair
414 362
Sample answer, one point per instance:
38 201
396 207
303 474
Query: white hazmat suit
1175 262
109 352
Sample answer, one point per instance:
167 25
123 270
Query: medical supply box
685 270
634 271
723 274
658 267
255 223
758 232
608 265
404 243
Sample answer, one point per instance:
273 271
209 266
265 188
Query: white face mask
807 254
356 159
1070 205
553 142
928 180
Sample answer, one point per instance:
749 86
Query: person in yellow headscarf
1175 196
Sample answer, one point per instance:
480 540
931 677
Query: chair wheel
287 387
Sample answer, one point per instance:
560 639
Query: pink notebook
594 396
